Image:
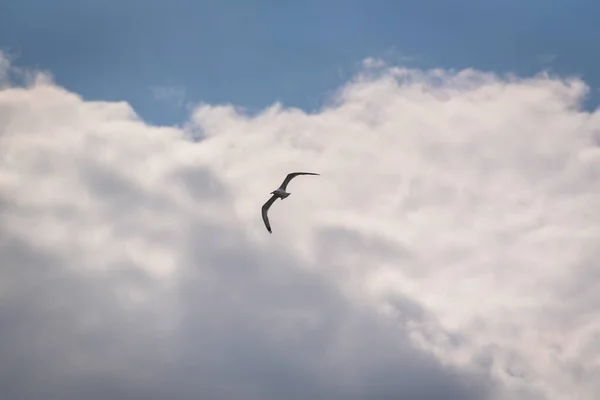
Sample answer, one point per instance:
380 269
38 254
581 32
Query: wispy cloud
546 58
175 95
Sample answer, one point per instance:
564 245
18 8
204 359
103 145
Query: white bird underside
279 193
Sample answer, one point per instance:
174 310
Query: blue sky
253 53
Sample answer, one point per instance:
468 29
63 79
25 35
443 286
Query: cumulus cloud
449 249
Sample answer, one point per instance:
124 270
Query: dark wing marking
265 209
291 176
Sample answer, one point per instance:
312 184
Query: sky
449 248
165 57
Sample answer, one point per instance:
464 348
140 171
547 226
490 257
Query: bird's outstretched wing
291 176
265 209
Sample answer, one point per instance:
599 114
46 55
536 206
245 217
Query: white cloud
449 247
546 58
170 93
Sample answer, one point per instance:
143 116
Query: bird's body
282 194
279 193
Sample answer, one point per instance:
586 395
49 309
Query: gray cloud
241 326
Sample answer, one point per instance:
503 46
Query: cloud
448 250
546 59
169 93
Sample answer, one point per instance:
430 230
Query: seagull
280 193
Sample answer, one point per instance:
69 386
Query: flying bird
279 193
